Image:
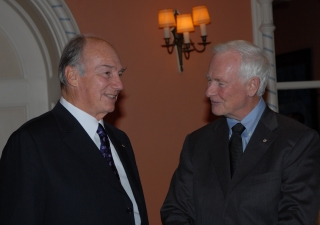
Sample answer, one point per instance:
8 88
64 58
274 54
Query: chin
217 112
110 110
108 107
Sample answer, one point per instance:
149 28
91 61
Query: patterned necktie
235 146
106 150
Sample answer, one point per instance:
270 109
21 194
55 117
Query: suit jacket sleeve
178 207
301 181
21 193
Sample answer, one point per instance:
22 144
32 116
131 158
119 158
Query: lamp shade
166 18
184 23
200 15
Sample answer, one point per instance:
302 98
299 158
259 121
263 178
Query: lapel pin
123 145
264 140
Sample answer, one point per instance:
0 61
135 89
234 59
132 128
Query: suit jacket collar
259 143
76 138
126 162
220 153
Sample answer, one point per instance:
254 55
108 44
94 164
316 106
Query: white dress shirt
90 125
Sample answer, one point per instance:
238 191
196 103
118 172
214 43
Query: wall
159 105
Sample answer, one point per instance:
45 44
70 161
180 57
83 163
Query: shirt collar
88 122
250 121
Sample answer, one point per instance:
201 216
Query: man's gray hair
71 56
255 62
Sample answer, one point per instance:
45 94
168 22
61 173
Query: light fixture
180 25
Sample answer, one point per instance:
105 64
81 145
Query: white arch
263 35
34 33
59 20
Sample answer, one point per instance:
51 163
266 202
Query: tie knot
238 128
101 132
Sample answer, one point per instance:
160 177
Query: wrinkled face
98 89
227 92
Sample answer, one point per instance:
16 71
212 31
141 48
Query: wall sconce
182 24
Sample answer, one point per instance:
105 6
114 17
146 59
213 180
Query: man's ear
253 86
71 76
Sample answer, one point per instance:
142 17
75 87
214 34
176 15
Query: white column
267 29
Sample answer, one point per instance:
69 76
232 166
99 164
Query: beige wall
159 106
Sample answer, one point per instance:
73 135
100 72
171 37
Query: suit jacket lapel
127 165
259 143
76 138
218 146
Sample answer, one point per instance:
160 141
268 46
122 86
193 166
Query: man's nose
211 89
117 83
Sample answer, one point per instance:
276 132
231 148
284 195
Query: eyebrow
112 67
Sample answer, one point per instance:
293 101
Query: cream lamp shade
166 20
185 25
201 17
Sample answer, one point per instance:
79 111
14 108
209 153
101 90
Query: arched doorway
32 36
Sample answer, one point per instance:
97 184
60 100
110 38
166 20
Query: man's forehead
226 59
103 53
100 47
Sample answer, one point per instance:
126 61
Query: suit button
129 210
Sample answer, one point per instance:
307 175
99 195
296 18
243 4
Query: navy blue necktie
106 150
235 146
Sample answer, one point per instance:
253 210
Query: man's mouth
214 102
111 96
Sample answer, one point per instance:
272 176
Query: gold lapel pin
264 140
123 146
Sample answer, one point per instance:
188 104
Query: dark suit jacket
276 181
52 173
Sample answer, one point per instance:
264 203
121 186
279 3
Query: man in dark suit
51 170
271 174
